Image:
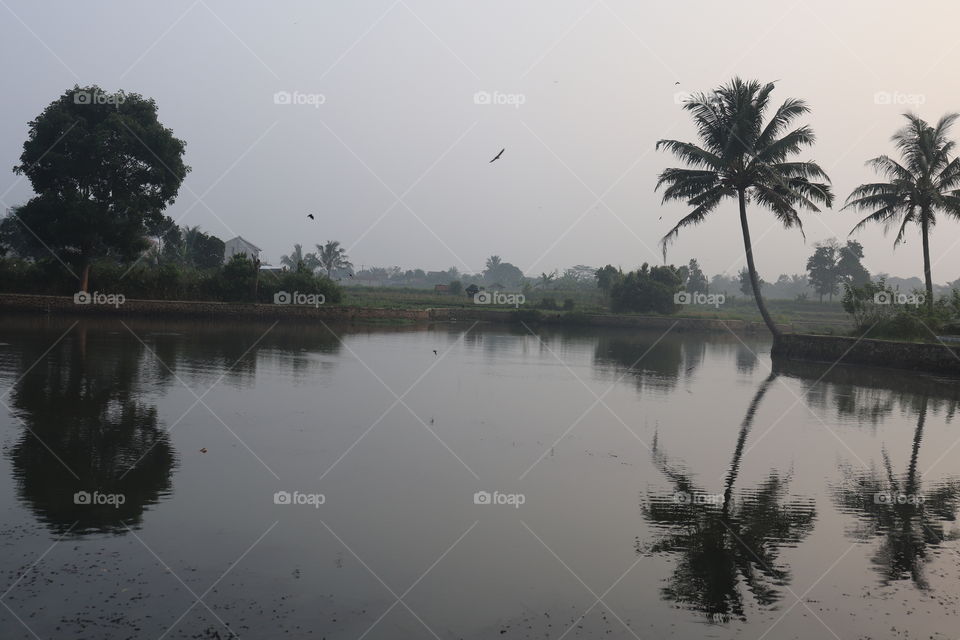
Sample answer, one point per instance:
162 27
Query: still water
189 480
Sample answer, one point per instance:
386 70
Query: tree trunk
752 269
928 279
85 277
742 440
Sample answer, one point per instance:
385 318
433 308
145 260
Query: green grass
807 316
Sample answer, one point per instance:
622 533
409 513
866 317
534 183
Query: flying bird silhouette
434 352
497 157
310 215
676 83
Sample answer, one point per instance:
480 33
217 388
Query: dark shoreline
66 307
936 359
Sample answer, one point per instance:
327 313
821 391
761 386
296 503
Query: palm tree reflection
724 542
896 508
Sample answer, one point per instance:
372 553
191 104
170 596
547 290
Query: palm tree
332 257
297 261
925 181
546 279
740 156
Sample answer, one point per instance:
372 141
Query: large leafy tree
104 168
924 182
743 155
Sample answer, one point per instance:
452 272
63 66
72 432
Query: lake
200 480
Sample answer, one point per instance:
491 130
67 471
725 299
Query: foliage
925 181
455 288
114 169
743 157
879 311
607 277
503 273
332 257
696 281
832 265
647 289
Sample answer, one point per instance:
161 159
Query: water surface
651 485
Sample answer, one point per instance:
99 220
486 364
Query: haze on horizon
395 161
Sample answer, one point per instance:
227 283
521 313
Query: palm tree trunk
85 277
752 269
745 427
928 279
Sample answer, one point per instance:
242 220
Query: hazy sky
394 162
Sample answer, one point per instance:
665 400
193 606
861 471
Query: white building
238 245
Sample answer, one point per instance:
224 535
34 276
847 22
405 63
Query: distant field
805 316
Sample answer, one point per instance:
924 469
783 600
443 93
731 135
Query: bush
879 312
646 289
549 304
231 282
568 304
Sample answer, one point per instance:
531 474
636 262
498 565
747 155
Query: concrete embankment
937 359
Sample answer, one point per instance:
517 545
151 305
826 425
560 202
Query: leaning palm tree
926 180
740 156
332 257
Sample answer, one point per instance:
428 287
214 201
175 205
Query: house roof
245 241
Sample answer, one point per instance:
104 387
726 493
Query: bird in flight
310 215
497 157
676 83
434 352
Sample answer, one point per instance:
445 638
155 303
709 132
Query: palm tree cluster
330 257
743 155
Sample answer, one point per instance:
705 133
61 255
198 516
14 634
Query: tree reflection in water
87 428
895 508
723 544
